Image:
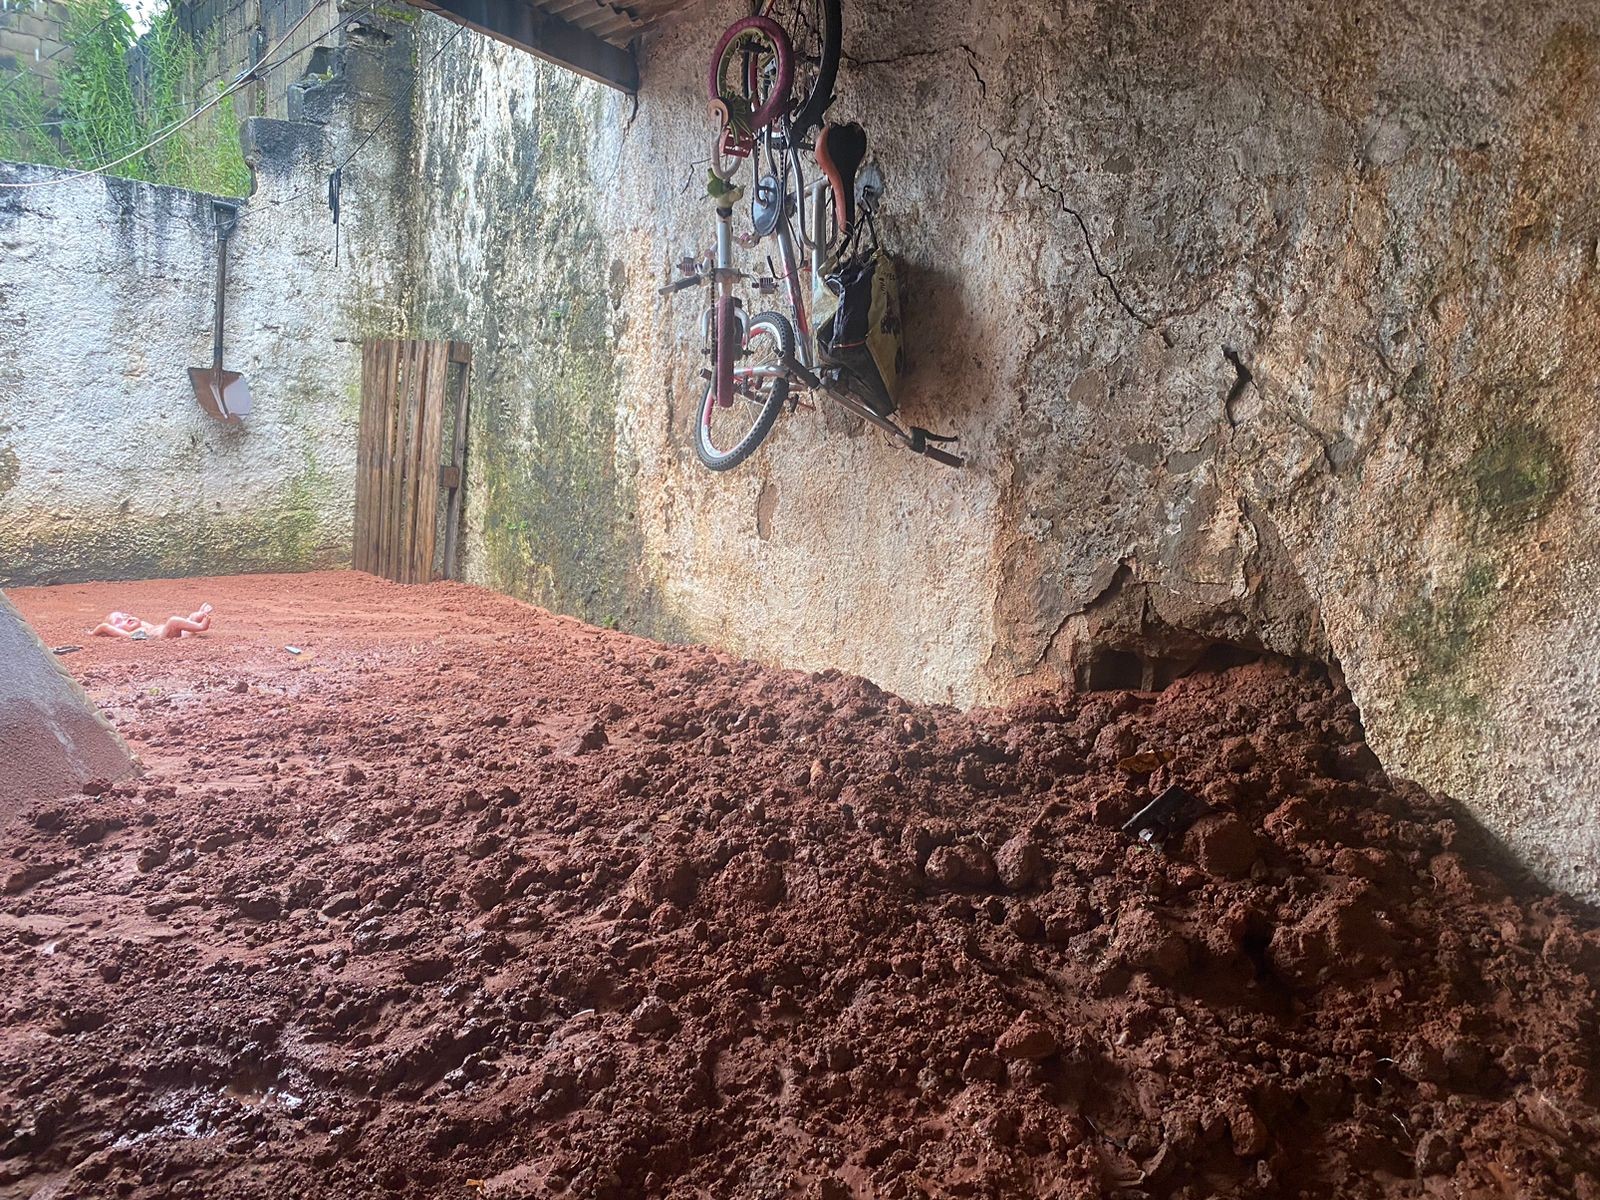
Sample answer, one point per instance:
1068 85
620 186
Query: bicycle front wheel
752 70
727 434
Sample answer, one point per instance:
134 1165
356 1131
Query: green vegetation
1441 632
25 122
100 118
120 92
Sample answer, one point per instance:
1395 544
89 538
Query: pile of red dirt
468 900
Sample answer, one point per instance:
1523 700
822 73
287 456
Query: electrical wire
266 64
215 79
85 36
411 85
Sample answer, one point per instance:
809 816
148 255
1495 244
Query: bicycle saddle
840 151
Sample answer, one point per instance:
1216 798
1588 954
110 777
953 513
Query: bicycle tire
778 99
808 112
708 454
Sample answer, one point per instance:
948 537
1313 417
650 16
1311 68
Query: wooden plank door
403 400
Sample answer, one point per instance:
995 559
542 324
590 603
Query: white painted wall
108 466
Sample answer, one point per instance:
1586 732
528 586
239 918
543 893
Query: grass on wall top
118 92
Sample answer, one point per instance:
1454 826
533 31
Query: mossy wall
511 256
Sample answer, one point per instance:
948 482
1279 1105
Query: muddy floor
467 900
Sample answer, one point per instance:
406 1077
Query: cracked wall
1266 328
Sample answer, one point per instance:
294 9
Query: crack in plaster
1083 228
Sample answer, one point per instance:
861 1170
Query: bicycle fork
727 341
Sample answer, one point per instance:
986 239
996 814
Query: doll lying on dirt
126 625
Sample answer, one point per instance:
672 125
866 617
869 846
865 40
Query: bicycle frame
801 370
727 334
725 275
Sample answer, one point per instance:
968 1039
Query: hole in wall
1109 668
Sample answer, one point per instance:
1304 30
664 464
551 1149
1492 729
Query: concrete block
24 47
28 25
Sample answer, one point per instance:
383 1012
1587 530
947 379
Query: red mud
468 900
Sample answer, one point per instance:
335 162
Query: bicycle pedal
922 435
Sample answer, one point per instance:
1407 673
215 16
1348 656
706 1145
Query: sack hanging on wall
862 336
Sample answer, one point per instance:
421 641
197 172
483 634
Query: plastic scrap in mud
1170 813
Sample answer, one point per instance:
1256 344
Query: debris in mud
1224 845
1168 814
778 934
586 739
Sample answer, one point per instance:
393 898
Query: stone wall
52 738
108 467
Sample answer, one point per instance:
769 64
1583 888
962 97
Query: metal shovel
223 394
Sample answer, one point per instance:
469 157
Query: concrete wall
237 33
1261 327
510 253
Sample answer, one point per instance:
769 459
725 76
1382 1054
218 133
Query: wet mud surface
468 900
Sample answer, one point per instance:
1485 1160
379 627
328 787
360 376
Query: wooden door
405 391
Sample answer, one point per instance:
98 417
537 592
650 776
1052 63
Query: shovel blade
233 399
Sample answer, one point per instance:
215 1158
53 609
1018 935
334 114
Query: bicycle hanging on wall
770 85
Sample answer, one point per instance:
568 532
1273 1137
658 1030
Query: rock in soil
745 939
